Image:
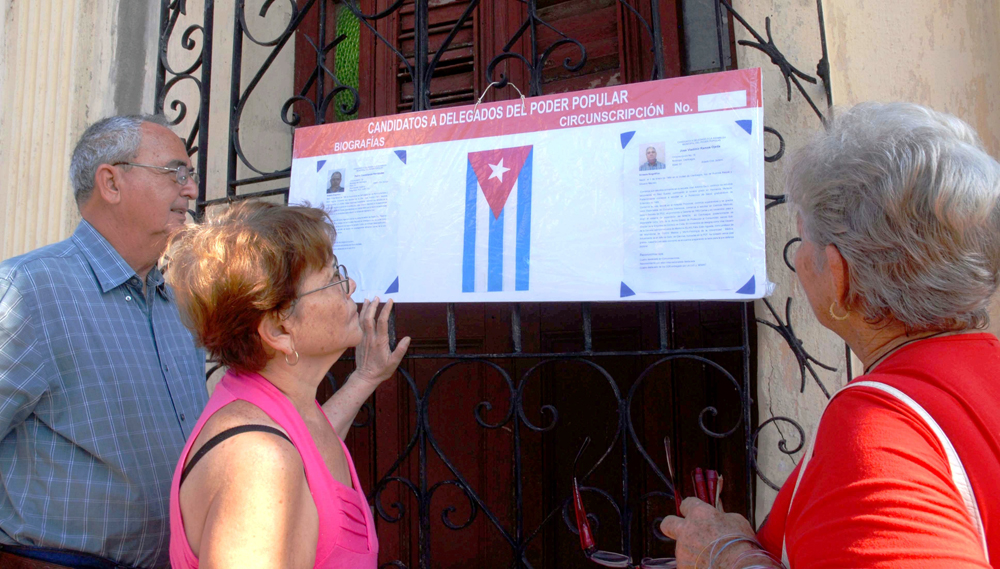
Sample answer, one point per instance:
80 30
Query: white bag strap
958 474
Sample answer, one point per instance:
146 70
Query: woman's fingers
671 526
375 360
372 311
400 351
365 318
383 318
693 506
703 527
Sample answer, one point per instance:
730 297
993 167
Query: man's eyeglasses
606 558
181 173
339 278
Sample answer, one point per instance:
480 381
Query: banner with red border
647 191
622 103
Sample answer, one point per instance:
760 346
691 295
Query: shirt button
128 298
182 417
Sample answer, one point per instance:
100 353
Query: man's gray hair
910 198
110 140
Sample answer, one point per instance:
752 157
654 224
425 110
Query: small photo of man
334 186
652 162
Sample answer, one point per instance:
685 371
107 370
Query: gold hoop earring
834 314
296 358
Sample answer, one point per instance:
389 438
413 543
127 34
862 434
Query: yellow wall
944 54
64 64
265 140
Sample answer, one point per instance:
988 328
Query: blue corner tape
402 155
394 287
748 288
626 138
319 164
746 125
626 291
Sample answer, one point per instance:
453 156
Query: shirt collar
108 265
156 280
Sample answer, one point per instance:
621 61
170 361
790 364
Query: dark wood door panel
490 444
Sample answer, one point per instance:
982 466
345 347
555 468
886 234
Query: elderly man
651 162
100 383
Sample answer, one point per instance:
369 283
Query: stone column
940 56
63 66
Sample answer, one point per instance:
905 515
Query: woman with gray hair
900 223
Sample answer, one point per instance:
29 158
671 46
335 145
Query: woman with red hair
266 480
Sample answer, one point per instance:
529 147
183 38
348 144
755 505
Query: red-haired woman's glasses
339 278
606 558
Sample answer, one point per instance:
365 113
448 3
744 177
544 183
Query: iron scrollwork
323 89
516 422
536 62
782 444
196 40
805 360
792 76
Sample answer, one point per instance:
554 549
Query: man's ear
840 273
274 334
105 184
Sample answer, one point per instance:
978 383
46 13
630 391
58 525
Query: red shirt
878 491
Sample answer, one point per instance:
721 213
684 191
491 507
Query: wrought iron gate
628 450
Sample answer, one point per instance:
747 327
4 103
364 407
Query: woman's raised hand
375 361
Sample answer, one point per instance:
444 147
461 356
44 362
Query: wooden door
469 461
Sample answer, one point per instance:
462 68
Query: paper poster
681 207
360 192
635 192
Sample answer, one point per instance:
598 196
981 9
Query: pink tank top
346 528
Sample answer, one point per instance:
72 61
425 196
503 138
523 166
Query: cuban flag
497 247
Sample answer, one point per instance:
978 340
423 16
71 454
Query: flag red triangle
496 171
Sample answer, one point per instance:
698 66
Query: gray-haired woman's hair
910 198
110 140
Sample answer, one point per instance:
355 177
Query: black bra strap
225 435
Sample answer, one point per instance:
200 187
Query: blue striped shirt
99 388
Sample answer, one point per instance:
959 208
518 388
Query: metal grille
629 452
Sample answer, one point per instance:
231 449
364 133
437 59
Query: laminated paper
646 191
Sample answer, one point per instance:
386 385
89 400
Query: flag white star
498 171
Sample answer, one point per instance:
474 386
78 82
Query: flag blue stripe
523 249
469 251
494 274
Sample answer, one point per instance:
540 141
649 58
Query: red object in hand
699 485
674 479
582 523
606 558
711 480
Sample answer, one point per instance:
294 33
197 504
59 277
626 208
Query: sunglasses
587 543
